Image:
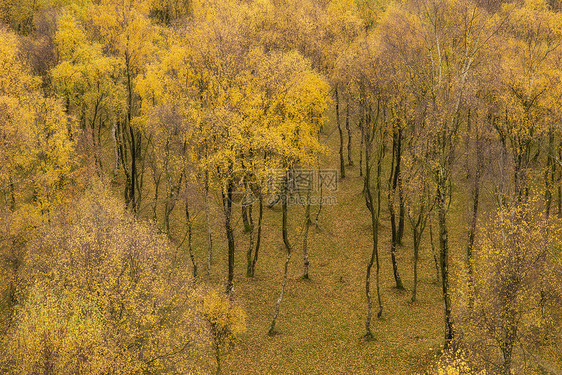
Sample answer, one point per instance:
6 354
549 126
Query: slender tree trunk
518 177
168 208
157 179
209 229
140 170
251 242
417 238
123 154
218 359
347 127
100 126
132 187
550 172
474 218
96 145
508 338
393 243
189 237
444 247
559 201
245 219
402 209
284 200
131 201
506 367
361 146
258 239
12 195
340 131
227 205
271 330
317 218
321 188
116 164
124 157
374 210
307 222
418 224
559 212
434 253
392 194
472 235
401 213
173 192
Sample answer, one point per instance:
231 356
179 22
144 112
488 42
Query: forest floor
322 320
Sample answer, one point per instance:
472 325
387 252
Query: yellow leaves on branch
517 280
14 79
85 77
124 28
239 106
103 293
62 333
225 318
36 151
455 362
529 73
70 39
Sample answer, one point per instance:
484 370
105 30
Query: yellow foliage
233 109
124 28
225 318
103 293
85 76
517 283
36 152
527 81
14 79
455 363
59 332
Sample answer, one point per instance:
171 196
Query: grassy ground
322 319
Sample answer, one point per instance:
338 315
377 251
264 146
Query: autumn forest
280 186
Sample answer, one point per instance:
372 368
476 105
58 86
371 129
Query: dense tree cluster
184 108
